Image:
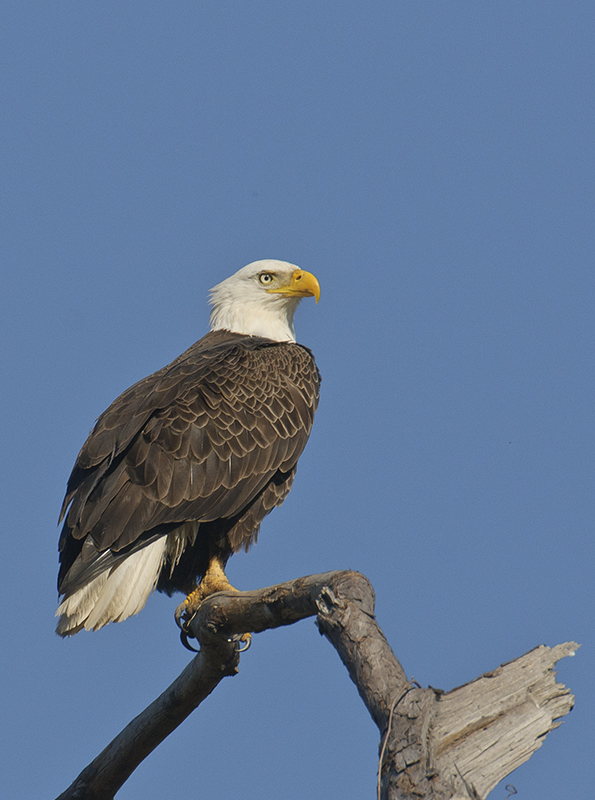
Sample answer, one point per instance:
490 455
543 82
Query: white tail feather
115 594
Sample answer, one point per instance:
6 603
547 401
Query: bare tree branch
490 726
433 745
219 618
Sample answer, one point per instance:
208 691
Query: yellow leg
214 580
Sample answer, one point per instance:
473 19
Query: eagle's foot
214 580
185 612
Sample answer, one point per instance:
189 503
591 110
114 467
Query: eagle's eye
265 278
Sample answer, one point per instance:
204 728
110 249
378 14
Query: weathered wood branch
460 744
220 617
433 745
490 726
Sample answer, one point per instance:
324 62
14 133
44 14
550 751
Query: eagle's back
214 437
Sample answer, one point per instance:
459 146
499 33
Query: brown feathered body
185 463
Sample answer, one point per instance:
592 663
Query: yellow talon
214 580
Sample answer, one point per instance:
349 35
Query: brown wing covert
214 437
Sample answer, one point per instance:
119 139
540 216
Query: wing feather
198 440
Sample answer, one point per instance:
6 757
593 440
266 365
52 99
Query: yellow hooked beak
303 284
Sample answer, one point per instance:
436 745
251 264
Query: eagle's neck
272 319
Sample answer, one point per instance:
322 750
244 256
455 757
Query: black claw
186 643
179 616
183 619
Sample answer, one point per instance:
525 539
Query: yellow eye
266 278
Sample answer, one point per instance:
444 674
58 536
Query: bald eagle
179 472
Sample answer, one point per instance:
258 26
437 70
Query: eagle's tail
117 592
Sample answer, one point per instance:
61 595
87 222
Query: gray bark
434 745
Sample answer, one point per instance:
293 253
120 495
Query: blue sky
432 164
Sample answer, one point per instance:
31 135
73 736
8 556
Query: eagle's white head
261 298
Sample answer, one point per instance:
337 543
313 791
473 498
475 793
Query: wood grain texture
489 727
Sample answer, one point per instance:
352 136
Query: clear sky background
433 164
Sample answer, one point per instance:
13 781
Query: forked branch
433 745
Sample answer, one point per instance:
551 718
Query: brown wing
198 440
